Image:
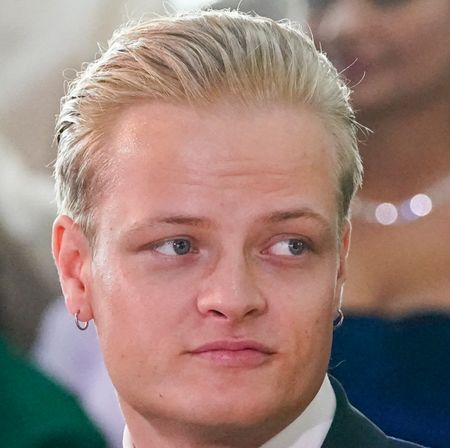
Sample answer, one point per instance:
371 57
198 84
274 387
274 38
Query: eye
319 4
178 246
390 3
290 247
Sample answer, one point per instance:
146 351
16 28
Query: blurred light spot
386 213
421 204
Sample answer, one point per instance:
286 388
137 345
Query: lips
351 66
356 65
244 353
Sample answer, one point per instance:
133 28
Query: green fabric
36 413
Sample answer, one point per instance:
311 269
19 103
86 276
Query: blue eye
319 4
390 3
322 4
289 247
178 246
296 247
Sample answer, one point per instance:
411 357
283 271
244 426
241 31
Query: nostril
252 311
217 313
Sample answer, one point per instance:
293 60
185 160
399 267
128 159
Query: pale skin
219 226
401 81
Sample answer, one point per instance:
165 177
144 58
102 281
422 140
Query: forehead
183 155
219 135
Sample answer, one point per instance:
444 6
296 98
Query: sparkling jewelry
411 209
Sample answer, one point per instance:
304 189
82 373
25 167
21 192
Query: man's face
217 271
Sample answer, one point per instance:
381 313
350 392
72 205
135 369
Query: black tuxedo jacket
350 429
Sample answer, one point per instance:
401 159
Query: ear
72 256
344 247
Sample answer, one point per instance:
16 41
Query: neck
407 152
165 433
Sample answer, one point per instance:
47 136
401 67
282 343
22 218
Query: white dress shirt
311 427
308 430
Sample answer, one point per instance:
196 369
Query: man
205 169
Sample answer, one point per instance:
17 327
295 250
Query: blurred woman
392 354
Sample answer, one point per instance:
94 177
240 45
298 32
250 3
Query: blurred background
392 354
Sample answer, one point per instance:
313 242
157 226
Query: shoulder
396 443
351 428
36 412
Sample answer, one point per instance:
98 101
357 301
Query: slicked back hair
196 58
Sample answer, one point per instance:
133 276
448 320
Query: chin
376 96
222 425
235 410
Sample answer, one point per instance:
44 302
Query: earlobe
71 253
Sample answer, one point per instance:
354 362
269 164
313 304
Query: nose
344 20
231 292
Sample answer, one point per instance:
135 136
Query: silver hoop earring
338 321
80 324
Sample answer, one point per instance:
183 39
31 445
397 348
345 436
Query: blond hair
196 58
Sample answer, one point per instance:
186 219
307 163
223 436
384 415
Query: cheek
310 328
304 309
309 335
314 21
138 319
306 287
136 311
136 315
422 39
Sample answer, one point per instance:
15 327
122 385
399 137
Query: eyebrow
186 220
272 218
175 219
305 213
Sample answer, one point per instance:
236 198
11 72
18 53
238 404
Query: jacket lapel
350 428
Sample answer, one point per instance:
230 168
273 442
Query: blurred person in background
22 292
35 412
392 353
74 359
276 10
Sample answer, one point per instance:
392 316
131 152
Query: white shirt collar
308 430
311 427
127 442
